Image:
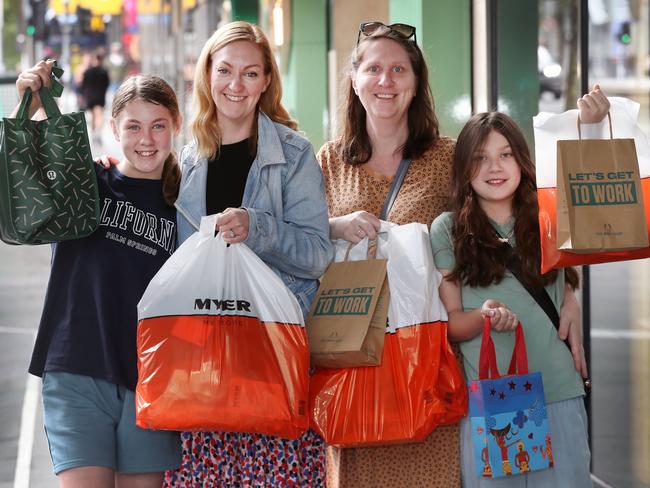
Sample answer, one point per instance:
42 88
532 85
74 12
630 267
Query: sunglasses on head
369 28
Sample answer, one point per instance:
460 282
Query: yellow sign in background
97 7
114 7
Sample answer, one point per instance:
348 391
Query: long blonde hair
204 124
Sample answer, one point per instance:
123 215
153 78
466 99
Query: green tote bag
48 185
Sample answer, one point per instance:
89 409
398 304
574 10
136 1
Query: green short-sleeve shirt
546 352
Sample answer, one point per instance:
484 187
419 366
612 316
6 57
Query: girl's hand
593 106
34 78
233 224
106 161
501 317
571 328
355 226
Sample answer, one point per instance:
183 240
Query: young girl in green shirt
494 203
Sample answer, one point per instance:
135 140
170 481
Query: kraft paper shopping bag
347 322
549 129
600 201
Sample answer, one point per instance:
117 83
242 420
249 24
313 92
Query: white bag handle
208 225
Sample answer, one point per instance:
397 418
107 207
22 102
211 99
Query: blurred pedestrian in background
116 66
79 63
94 84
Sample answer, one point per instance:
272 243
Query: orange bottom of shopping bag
554 258
222 373
418 386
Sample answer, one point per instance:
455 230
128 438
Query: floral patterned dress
234 459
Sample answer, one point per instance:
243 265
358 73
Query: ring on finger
360 233
232 234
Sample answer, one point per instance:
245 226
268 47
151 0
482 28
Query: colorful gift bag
508 414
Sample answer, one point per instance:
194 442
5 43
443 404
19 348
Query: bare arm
571 329
463 325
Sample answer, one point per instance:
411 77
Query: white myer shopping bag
221 344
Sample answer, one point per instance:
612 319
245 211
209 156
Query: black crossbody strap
542 298
539 294
394 187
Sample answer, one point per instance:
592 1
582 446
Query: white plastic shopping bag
412 275
221 344
418 385
551 128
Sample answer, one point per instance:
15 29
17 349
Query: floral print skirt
235 459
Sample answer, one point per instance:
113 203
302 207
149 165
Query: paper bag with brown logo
347 322
599 198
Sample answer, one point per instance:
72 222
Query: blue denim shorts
91 422
567 424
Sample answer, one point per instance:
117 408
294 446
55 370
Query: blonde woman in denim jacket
246 149
284 200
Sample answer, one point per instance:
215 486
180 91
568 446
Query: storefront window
618 61
557 55
619 312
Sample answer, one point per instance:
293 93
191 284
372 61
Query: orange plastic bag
221 344
419 384
549 128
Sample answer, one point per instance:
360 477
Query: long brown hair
204 124
153 89
423 131
480 258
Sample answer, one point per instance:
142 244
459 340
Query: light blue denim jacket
285 200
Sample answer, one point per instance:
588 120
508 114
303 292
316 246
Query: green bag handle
47 95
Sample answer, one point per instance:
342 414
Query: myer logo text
221 304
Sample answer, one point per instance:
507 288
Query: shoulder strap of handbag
539 294
394 187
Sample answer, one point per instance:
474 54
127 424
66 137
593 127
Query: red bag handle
487 363
488 358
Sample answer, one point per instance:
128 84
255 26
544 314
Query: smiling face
497 173
146 132
384 81
237 80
